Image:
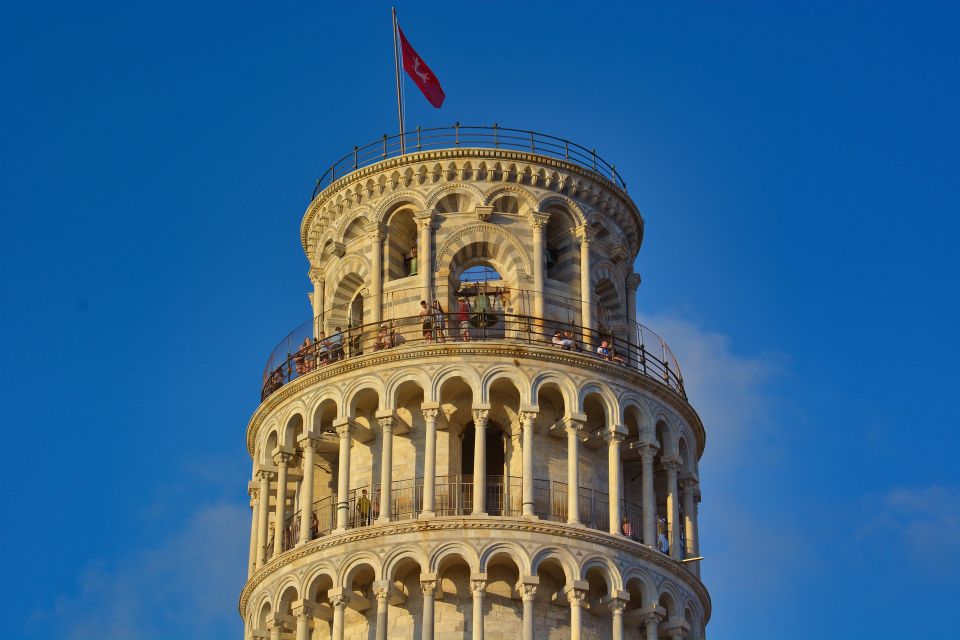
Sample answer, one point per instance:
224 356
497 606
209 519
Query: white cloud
923 523
185 587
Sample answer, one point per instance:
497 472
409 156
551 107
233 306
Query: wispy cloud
184 587
923 523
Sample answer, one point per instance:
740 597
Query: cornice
371 362
465 524
482 153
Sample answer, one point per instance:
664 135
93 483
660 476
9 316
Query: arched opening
480 293
454 600
496 500
401 245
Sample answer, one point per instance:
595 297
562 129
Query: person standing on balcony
336 345
363 508
314 526
426 321
439 321
626 529
413 261
463 317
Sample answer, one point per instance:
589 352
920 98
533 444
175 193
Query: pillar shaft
537 223
339 605
584 235
343 476
528 418
303 625
576 597
425 252
429 588
652 624
616 618
649 498
280 518
573 471
633 281
386 469
614 438
478 587
318 301
673 510
382 591
306 491
376 269
430 462
254 522
263 515
480 417
528 594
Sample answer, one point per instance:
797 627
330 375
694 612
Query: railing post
354 157
456 135
593 152
533 145
384 146
333 172
566 149
496 137
418 137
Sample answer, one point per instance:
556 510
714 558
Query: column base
382 520
479 514
426 515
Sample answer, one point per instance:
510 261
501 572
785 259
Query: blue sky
797 168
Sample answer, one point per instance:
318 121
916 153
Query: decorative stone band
460 525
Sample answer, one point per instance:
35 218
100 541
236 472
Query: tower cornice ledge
503 349
601 183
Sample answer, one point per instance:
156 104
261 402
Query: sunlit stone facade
468 474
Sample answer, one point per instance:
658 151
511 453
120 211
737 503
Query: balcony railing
495 137
640 349
454 497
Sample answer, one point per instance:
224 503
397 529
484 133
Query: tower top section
547 170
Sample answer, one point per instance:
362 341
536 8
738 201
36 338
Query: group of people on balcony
314 353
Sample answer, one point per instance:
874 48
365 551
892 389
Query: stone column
649 506
254 492
673 507
282 459
424 220
528 591
385 422
576 598
308 445
375 233
381 590
343 474
614 438
480 417
633 281
527 419
617 605
339 603
584 235
430 412
537 223
263 515
574 427
651 622
274 626
690 489
316 277
303 622
478 585
677 633
428 584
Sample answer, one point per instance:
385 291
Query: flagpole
396 60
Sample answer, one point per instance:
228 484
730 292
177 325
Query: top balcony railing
307 349
459 135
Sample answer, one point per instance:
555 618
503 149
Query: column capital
429 413
527 587
691 484
308 441
574 423
343 427
374 230
423 219
528 416
264 475
381 590
584 234
336 249
677 633
282 457
633 281
316 276
337 600
671 464
428 583
253 491
648 451
654 616
538 220
577 597
480 416
385 421
478 586
618 604
301 610
617 433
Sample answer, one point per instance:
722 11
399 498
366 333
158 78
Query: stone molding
585 362
464 525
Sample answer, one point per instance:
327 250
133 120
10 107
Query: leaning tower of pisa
471 436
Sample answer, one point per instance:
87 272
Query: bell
483 316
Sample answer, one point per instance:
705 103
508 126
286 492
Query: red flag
420 73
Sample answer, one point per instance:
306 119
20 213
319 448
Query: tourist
626 529
568 336
426 321
413 261
314 526
363 508
439 321
322 346
309 355
463 317
336 345
383 339
560 340
299 364
604 350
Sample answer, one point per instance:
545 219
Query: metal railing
454 497
642 350
495 137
